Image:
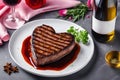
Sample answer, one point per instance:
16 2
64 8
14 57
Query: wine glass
11 20
35 4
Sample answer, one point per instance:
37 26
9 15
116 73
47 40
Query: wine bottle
103 20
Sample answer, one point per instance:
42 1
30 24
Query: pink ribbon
4 36
25 12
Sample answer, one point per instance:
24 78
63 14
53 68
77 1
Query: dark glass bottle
103 20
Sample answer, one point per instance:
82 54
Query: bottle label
103 27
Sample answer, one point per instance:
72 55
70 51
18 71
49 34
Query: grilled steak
49 46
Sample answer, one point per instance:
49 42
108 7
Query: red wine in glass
11 2
11 20
35 4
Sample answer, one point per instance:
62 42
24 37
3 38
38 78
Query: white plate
19 35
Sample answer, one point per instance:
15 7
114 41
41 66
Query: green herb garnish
77 12
80 35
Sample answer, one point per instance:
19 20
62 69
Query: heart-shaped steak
49 46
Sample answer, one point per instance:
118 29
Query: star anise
15 69
7 68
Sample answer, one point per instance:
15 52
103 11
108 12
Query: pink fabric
90 4
3 9
3 33
4 36
25 12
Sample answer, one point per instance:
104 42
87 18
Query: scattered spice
15 69
9 68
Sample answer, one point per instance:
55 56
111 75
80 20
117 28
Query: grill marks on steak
47 43
45 38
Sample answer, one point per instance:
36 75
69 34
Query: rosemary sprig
77 12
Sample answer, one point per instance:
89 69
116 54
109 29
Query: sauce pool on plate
58 65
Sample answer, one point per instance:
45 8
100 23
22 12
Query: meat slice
48 46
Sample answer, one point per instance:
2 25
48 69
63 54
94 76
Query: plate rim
49 74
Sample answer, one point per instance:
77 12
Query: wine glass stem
13 13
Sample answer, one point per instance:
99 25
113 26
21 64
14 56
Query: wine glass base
13 23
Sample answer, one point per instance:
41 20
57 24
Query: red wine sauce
58 65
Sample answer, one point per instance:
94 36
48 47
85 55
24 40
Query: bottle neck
105 10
